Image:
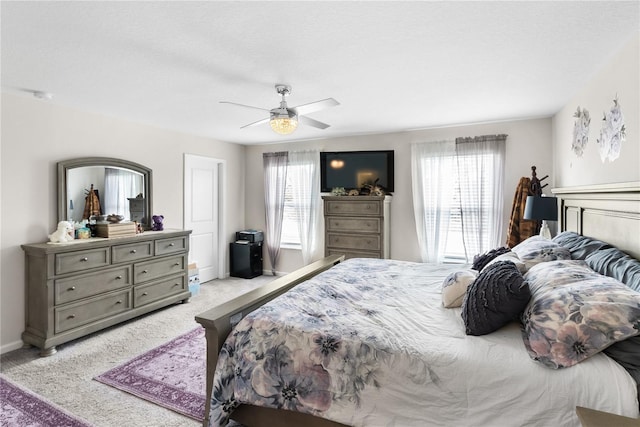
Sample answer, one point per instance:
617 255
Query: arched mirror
94 186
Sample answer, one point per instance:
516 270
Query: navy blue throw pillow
497 296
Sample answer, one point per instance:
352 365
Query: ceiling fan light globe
284 125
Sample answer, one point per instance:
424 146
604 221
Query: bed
395 356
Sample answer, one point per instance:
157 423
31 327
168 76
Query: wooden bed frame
609 212
218 323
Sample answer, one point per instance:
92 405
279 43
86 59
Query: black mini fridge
246 259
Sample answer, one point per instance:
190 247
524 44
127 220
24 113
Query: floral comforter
369 343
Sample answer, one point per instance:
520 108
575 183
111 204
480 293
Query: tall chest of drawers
357 226
81 287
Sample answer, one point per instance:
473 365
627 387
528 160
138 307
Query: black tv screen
354 169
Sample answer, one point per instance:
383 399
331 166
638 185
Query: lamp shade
541 208
283 121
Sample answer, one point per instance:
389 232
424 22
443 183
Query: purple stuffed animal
157 223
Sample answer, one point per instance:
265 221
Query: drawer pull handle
71 316
132 251
73 288
144 294
84 259
176 264
118 302
172 244
176 284
118 277
145 271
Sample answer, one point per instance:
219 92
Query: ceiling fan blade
311 122
243 105
312 107
259 122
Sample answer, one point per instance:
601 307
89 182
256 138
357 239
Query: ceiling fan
283 119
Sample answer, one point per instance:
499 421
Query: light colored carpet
66 377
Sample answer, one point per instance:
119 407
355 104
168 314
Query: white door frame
222 200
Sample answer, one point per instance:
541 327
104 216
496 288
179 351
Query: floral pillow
575 313
455 287
537 249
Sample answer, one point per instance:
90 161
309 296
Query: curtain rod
483 138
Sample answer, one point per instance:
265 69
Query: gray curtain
275 181
480 167
432 180
305 177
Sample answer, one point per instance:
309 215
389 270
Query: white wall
621 77
36 135
528 144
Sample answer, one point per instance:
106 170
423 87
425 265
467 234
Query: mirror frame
65 165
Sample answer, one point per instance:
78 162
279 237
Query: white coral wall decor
580 131
612 133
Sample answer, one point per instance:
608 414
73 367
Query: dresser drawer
80 313
353 207
349 241
351 254
171 245
146 294
82 260
357 225
150 270
131 252
87 285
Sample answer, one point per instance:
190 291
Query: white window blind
454 251
290 230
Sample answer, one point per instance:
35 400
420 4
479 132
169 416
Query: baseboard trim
11 347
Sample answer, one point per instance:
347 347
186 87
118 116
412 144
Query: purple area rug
172 375
21 408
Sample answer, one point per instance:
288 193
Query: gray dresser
77 288
357 226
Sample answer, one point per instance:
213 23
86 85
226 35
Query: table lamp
542 209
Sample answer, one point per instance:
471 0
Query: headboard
608 212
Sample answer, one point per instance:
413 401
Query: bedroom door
203 201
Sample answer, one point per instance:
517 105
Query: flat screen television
354 169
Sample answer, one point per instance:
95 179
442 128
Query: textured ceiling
393 66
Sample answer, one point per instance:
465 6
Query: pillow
495 298
537 249
509 256
579 246
614 263
480 261
559 273
575 313
455 287
627 354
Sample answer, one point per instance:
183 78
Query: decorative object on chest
357 226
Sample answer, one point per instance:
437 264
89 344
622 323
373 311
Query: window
290 218
458 196
456 250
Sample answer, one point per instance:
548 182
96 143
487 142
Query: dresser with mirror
82 286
